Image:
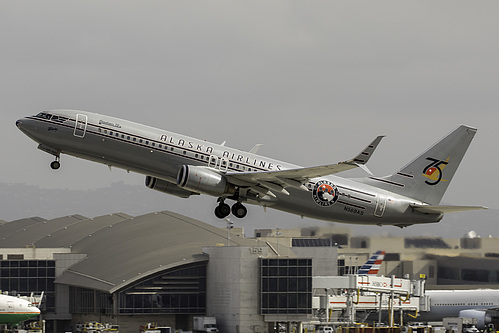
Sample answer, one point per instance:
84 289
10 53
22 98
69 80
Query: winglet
365 154
255 148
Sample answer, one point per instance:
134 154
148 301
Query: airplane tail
427 177
371 267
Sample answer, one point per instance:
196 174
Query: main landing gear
223 210
55 164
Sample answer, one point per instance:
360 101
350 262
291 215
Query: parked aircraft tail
371 267
427 177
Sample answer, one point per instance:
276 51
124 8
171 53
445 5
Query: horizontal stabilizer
445 209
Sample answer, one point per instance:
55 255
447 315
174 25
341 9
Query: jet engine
204 180
167 187
482 318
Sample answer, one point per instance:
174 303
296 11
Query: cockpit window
44 115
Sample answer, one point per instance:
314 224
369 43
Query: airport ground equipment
347 295
460 325
155 328
205 324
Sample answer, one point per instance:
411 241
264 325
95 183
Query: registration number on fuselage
354 210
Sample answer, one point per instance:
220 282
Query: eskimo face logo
434 171
325 193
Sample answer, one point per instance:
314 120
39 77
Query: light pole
230 225
278 233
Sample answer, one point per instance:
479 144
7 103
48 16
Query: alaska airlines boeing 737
184 166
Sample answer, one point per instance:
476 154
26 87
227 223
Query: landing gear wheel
222 210
238 210
55 165
217 213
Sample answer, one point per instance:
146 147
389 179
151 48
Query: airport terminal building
167 268
161 267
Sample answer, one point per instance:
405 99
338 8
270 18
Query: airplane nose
18 123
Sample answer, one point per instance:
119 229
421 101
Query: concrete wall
324 259
232 288
32 253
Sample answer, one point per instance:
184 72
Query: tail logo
371 267
325 193
434 171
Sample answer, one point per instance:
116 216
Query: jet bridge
346 297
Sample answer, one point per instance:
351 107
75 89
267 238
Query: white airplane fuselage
14 310
160 154
462 303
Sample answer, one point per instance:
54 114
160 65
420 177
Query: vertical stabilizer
427 177
371 267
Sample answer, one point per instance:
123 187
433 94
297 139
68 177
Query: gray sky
314 81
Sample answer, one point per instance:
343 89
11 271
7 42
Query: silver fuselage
159 153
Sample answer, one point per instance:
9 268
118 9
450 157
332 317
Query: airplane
482 304
183 166
372 265
14 310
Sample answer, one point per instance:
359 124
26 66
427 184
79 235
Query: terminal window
29 276
285 286
181 290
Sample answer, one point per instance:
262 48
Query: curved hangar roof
120 249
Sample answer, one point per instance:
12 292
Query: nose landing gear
223 210
55 164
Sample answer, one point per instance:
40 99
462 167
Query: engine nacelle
204 180
167 187
482 318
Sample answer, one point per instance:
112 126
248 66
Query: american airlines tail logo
434 170
371 267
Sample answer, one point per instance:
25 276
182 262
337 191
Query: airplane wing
445 209
264 182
